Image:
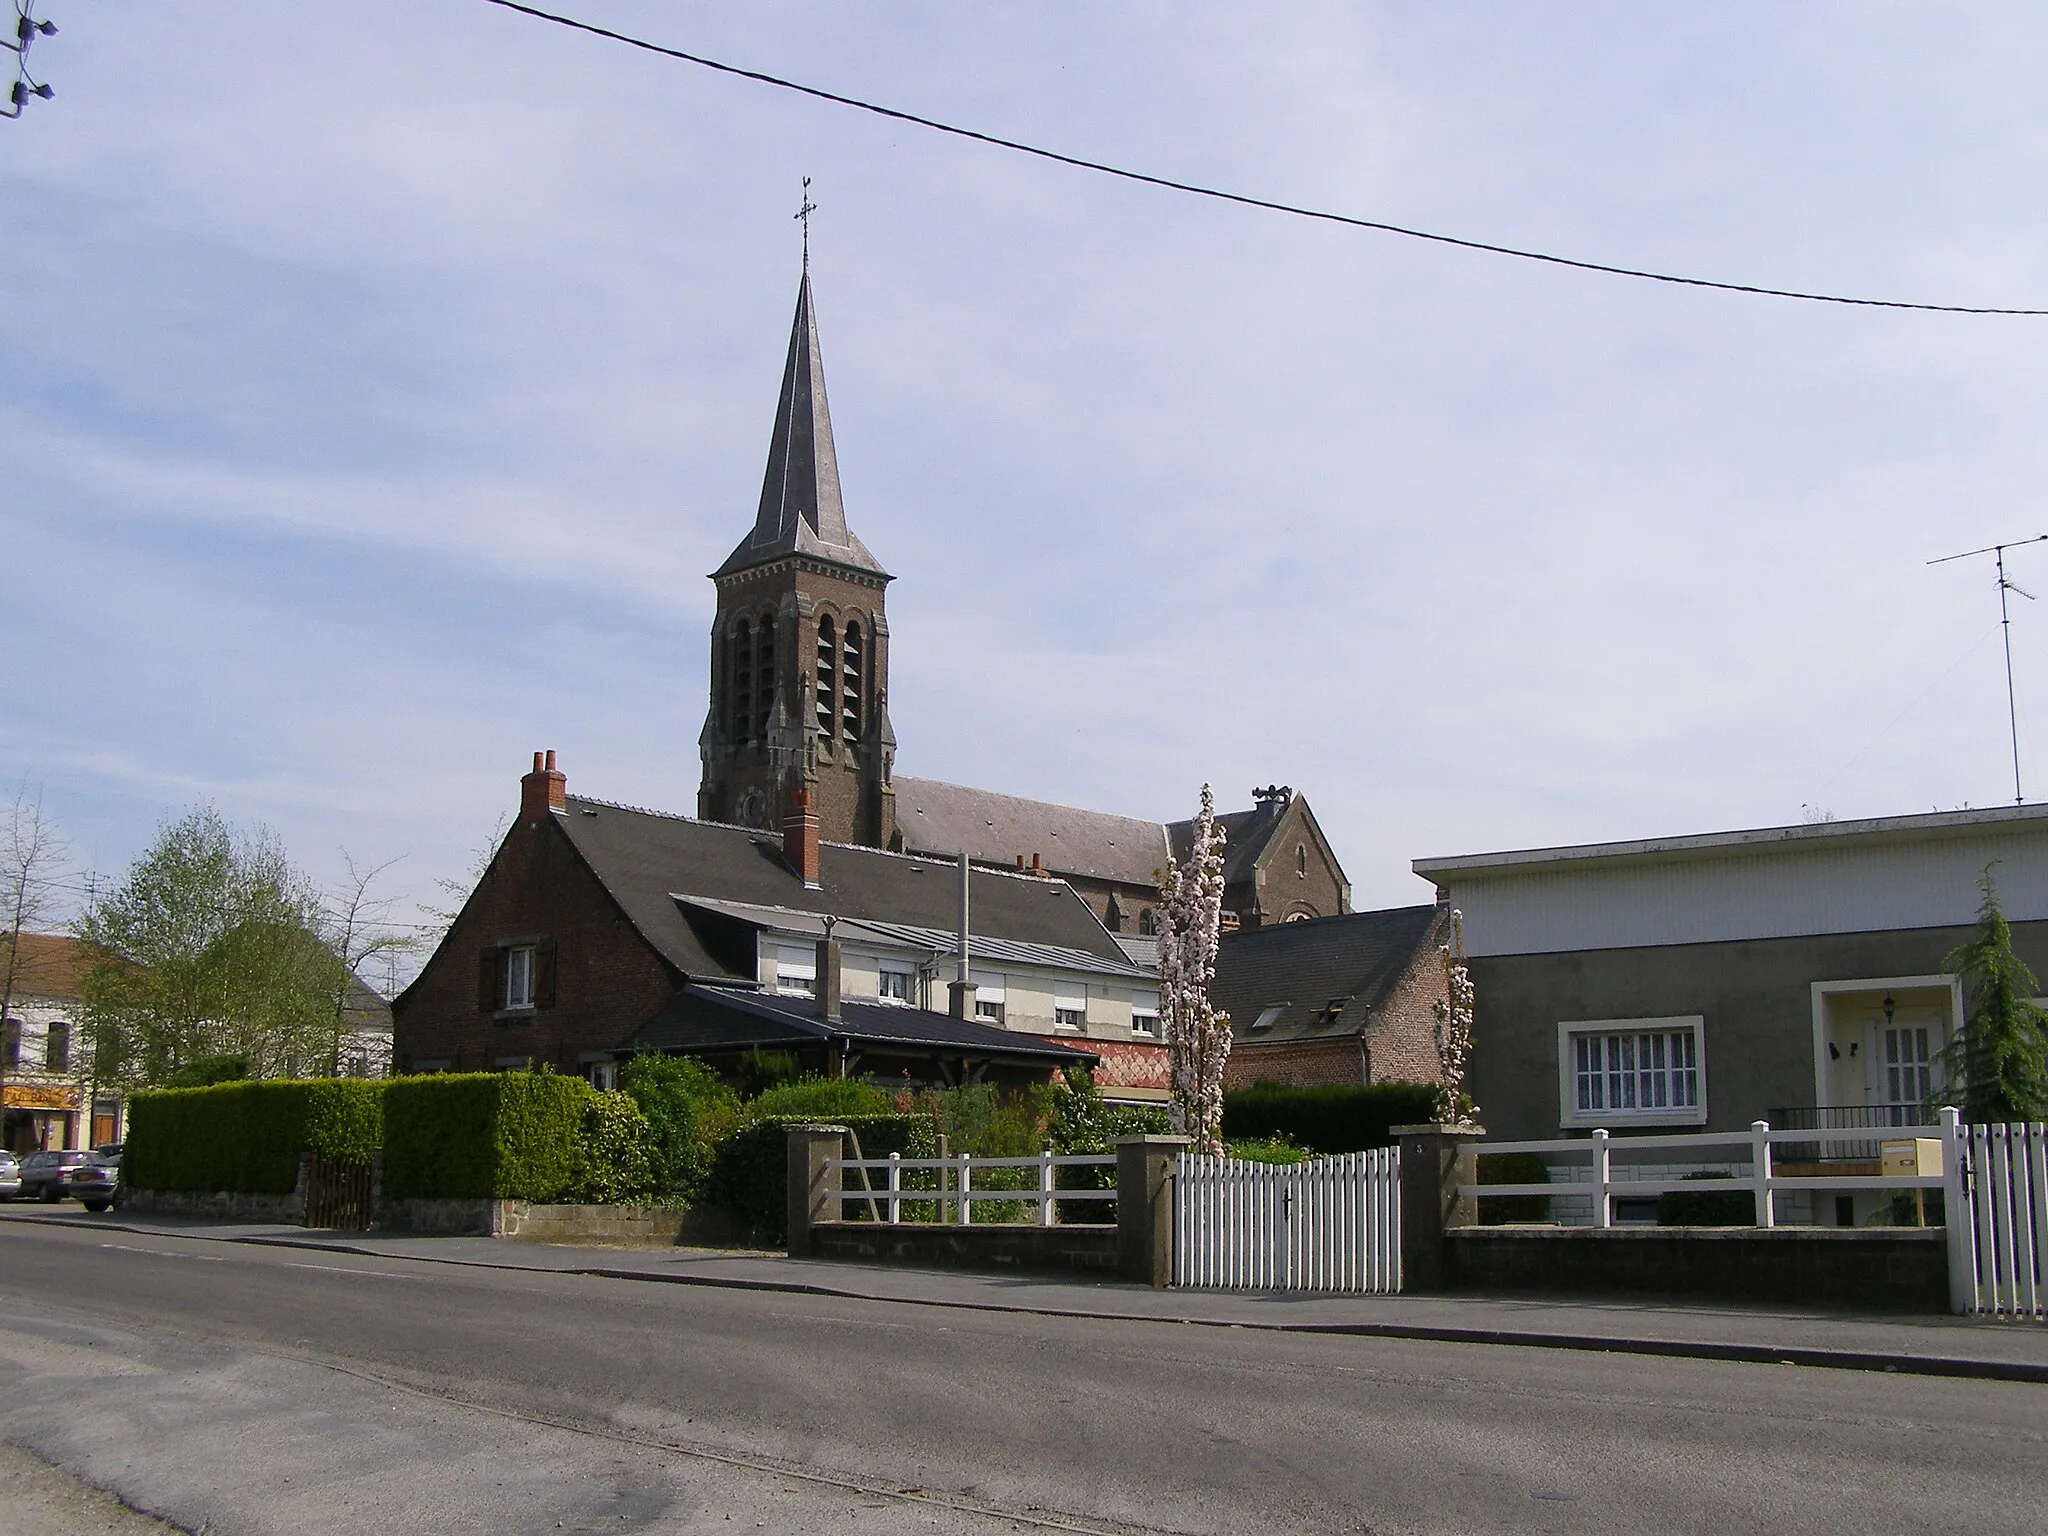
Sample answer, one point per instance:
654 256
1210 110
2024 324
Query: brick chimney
542 790
800 839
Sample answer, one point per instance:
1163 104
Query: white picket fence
1998 1220
876 1184
1332 1224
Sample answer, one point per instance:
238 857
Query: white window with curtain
1070 1005
796 969
1632 1070
1145 1013
893 982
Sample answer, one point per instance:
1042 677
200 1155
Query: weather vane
803 215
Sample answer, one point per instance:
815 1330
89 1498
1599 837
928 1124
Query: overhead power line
1270 205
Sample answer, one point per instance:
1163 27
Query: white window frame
905 974
1070 1006
1145 1013
602 1075
519 968
796 971
991 993
1695 1072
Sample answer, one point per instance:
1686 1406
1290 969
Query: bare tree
31 857
360 930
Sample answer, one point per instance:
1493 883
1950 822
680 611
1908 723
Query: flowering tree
1197 1036
1454 1031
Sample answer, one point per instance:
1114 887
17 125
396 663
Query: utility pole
2005 584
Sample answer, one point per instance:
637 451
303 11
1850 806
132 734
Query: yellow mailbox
1919 1157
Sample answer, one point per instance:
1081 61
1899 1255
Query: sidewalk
1917 1345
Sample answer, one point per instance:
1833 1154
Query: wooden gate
1332 1224
338 1194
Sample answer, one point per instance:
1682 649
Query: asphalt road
238 1389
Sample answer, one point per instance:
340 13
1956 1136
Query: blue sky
383 379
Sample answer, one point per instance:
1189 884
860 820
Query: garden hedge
483 1136
1336 1117
751 1175
246 1137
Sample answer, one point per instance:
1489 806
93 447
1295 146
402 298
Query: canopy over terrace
721 1024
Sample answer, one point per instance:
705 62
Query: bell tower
800 643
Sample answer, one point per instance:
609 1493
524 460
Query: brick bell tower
800 644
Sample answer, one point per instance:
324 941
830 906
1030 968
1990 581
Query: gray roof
642 857
1245 836
1353 962
982 947
941 818
712 1018
802 512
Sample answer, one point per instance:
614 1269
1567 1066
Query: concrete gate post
1431 1176
811 1183
1144 1207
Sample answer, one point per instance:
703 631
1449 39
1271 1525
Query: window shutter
487 963
544 974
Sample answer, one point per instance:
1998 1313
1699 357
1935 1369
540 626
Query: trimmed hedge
1513 1168
751 1175
246 1137
483 1136
1336 1117
1715 1208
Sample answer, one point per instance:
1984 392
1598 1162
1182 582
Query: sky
383 378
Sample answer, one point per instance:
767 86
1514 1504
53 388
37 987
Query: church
822 905
799 715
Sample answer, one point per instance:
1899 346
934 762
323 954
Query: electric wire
1242 199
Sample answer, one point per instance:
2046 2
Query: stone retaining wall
955 1247
219 1205
1893 1269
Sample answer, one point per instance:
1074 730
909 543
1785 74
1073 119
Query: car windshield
67 1159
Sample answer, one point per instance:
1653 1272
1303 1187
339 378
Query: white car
10 1176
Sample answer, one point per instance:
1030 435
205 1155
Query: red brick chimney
542 790
800 839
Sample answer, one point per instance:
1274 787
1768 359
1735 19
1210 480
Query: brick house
1346 999
48 1093
599 930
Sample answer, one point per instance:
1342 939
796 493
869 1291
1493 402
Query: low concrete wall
524 1221
219 1205
1885 1269
955 1247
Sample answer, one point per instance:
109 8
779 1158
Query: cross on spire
803 215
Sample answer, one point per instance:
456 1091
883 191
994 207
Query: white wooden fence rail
1331 1224
1998 1223
1753 1147
956 1193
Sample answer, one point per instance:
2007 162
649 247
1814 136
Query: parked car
92 1183
49 1176
10 1176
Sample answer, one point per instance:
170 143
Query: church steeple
799 708
802 511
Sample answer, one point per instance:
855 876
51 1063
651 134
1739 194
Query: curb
1822 1358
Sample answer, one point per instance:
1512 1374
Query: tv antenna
2005 584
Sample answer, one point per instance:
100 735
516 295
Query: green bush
207 1071
614 1153
1730 1208
245 1137
689 1111
761 1070
1275 1149
483 1136
821 1098
1338 1117
1513 1168
750 1175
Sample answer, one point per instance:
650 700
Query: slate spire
801 510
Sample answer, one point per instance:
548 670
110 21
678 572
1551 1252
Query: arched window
849 683
1301 859
764 677
740 670
828 679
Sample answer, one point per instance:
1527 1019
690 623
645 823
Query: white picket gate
1998 1222
1332 1224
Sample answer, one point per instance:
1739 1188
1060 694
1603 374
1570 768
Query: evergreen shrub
1719 1208
1327 1118
614 1153
750 1175
1513 1168
483 1136
245 1137
689 1110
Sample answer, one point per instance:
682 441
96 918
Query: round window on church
753 809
